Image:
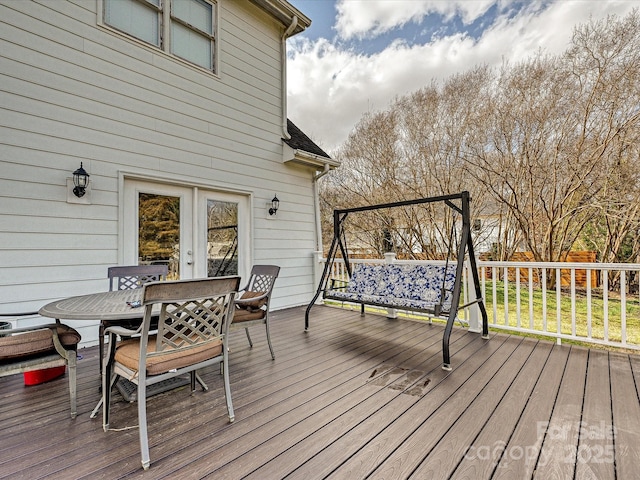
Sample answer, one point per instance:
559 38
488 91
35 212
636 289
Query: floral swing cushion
404 286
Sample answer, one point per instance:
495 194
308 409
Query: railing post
474 309
390 257
318 260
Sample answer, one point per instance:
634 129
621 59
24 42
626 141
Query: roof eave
307 158
284 12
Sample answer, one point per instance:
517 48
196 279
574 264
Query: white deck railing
595 303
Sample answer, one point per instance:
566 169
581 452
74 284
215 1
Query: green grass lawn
598 318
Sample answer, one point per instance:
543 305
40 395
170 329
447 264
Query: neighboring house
182 100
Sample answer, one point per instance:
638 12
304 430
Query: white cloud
368 18
330 88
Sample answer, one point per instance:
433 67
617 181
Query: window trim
166 17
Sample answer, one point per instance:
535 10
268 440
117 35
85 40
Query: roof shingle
299 141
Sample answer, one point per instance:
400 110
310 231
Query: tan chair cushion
241 315
252 305
128 354
27 344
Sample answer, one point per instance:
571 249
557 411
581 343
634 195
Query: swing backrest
365 279
423 282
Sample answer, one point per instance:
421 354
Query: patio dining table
114 306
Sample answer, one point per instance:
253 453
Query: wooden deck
353 398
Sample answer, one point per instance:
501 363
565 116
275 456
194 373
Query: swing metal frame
459 203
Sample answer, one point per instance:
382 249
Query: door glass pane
222 238
159 231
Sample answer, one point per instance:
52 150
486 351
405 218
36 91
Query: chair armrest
122 331
338 284
246 301
57 344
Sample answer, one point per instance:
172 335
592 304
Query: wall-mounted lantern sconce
275 204
80 181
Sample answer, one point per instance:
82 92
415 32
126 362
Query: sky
359 55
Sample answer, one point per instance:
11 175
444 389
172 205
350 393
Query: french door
196 232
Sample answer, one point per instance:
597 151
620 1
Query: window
192 31
184 28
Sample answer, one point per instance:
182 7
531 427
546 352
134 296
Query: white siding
72 91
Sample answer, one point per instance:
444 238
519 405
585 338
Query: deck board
595 440
359 439
353 397
482 453
561 437
626 417
527 436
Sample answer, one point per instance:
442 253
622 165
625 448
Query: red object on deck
36 377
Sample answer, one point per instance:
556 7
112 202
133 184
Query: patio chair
193 321
252 304
27 349
126 278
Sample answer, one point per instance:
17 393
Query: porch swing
433 289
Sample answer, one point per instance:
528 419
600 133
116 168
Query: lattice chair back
262 279
135 276
252 305
187 325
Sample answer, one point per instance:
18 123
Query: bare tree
522 154
368 176
547 147
605 60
